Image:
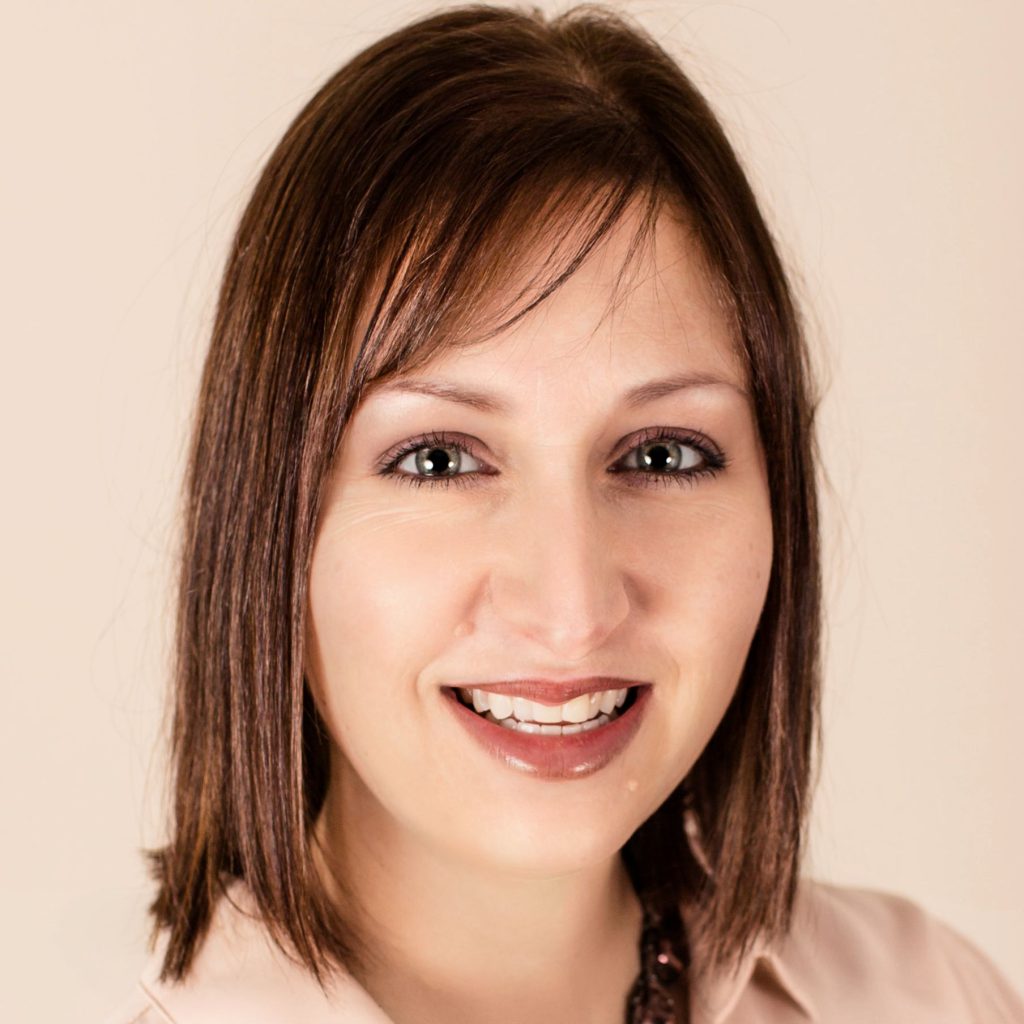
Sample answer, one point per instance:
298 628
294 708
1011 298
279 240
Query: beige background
884 138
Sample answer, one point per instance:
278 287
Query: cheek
722 581
376 618
722 572
705 565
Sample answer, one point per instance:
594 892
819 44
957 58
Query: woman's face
576 548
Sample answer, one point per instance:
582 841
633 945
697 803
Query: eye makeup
712 459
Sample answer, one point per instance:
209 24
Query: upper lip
547 691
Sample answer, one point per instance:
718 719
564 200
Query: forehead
619 317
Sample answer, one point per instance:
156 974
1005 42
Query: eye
433 459
659 456
663 458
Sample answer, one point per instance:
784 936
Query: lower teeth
551 730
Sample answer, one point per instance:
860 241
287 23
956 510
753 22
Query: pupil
658 461
429 463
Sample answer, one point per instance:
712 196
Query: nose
556 580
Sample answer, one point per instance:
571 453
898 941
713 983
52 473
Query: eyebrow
492 403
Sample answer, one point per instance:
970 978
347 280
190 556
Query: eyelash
714 460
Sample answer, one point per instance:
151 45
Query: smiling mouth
555 751
524 715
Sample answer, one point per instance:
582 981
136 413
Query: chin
537 849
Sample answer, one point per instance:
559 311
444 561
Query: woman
497 654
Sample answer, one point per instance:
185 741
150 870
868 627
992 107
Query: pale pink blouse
852 956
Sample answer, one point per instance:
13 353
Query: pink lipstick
554 757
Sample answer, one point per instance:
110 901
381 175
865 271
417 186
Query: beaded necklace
664 956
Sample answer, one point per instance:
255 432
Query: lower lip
554 757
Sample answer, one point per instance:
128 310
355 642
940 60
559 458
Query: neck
459 940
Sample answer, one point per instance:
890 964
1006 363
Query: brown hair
399 199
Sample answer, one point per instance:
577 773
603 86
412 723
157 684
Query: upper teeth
580 709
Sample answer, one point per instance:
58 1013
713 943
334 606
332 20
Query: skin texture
490 895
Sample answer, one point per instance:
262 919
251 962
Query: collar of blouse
715 996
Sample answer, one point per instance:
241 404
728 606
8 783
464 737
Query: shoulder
888 956
240 976
138 1008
